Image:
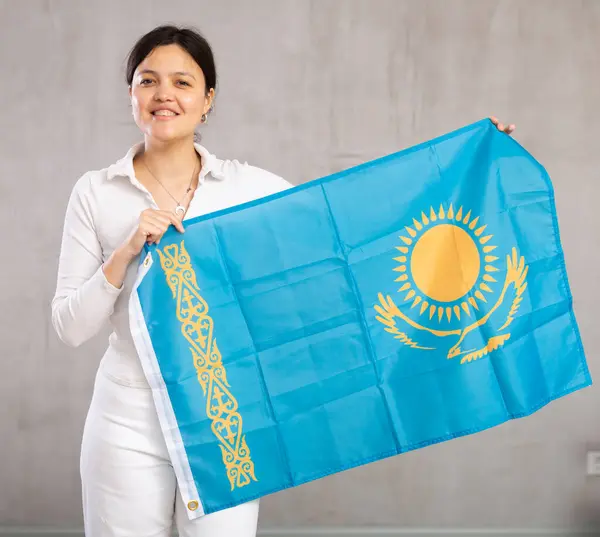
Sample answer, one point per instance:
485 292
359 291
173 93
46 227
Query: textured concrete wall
307 88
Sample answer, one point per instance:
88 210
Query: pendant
180 208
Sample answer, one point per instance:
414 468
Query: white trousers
129 487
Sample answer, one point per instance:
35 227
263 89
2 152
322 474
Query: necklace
179 208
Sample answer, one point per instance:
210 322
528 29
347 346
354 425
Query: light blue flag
406 301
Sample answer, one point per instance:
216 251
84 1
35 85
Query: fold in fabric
413 299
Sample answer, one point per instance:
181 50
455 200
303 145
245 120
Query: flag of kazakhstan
403 302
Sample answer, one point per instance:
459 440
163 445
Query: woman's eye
183 82
144 81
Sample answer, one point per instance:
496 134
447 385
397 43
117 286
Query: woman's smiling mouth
164 114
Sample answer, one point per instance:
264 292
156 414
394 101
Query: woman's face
168 94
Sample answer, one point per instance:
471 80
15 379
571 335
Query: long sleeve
84 299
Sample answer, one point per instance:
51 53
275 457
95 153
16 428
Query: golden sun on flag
440 263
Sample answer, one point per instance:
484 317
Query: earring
204 119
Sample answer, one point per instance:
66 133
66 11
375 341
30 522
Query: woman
129 486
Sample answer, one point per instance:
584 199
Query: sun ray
450 213
406 240
480 296
411 231
424 218
479 231
467 218
417 224
488 278
449 314
465 307
432 215
490 258
440 313
457 312
402 277
442 215
491 268
416 302
485 239
401 268
473 223
424 306
409 295
432 311
473 303
405 287
459 214
488 249
485 287
401 259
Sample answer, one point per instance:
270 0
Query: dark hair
188 39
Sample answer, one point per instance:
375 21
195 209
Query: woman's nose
163 94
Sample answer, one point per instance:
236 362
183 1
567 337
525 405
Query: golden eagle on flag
447 268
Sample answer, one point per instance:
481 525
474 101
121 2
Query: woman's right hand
152 226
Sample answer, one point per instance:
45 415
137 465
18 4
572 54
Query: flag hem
166 415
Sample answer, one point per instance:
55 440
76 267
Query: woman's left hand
508 129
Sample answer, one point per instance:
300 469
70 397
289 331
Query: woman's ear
210 97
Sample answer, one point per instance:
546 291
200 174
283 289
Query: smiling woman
183 69
129 483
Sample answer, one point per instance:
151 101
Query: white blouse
103 209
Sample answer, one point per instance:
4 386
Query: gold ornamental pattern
197 327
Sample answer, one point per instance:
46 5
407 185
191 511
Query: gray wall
307 88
